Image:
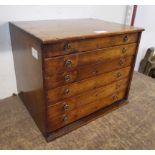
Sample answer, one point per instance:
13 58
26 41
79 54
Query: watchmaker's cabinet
69 71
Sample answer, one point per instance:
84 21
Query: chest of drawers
70 72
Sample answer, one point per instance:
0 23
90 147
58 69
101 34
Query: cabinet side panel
27 56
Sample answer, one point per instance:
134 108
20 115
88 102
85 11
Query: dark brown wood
29 75
94 54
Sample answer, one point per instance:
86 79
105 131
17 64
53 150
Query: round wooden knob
67 78
68 63
125 38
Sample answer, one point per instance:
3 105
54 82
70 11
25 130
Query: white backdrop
15 13
145 18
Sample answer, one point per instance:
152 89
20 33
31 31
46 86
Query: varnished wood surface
57 122
85 48
133 65
29 75
57 64
85 120
76 88
57 30
83 45
81 99
87 71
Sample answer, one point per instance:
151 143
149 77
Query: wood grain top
48 31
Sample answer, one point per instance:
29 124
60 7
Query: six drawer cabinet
70 72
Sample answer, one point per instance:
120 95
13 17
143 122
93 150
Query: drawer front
76 88
69 104
72 61
86 71
57 122
83 45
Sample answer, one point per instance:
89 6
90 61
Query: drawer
57 122
72 61
74 102
86 71
76 88
83 45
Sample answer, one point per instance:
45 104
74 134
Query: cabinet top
48 31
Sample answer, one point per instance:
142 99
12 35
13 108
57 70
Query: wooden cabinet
69 71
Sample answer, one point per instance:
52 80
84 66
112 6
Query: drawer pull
66 91
66 106
68 63
121 62
118 74
65 119
67 46
124 50
125 39
67 78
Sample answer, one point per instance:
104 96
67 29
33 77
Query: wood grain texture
76 88
57 64
87 71
49 31
58 122
87 97
88 54
133 65
84 45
